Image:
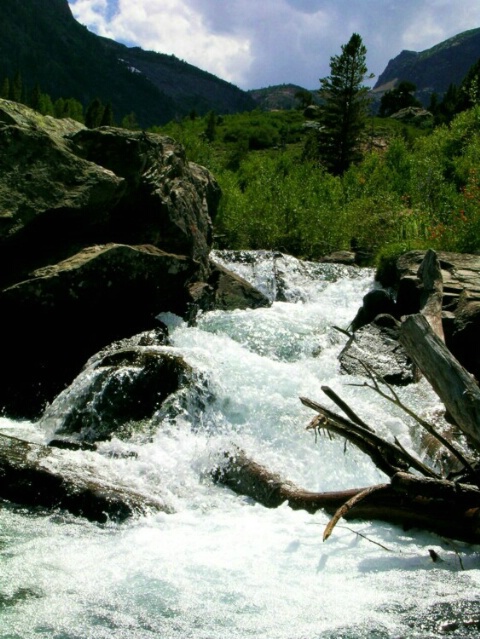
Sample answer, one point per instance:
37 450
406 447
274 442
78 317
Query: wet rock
119 391
39 476
230 291
340 257
376 344
67 312
460 303
376 302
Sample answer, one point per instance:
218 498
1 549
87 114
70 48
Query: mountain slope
433 70
42 40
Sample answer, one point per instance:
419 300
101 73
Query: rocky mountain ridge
432 70
44 42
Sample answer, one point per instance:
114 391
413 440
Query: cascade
220 565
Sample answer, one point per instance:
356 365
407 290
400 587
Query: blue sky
259 43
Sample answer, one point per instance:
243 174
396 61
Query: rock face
100 231
460 316
460 303
376 345
460 274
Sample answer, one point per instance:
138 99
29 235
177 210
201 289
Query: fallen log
34 475
408 508
431 295
456 388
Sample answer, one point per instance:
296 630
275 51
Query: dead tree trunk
442 507
431 296
456 388
40 476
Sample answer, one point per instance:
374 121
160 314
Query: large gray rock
64 187
376 345
66 312
118 392
100 231
460 305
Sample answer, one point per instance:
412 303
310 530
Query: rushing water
222 566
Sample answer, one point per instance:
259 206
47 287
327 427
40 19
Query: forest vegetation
405 187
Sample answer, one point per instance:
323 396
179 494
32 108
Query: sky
261 43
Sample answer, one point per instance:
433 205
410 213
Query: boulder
168 202
68 311
340 257
39 476
376 344
460 303
375 302
100 231
230 291
118 391
64 187
414 115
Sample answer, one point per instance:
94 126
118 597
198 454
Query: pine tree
94 114
401 97
16 88
5 90
130 122
345 107
107 117
211 128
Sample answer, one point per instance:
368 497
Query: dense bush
419 191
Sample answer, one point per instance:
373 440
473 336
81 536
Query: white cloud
170 26
255 43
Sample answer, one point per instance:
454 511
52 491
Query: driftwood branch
349 412
388 457
377 380
351 503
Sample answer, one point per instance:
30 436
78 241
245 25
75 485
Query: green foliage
399 98
345 107
130 122
211 126
422 191
94 114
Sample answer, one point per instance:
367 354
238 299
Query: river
221 566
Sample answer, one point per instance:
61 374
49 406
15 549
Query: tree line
94 114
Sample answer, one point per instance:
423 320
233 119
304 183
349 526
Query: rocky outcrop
376 345
118 391
100 231
460 303
413 115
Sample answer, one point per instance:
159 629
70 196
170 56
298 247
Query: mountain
42 40
432 70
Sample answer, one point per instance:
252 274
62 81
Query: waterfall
220 565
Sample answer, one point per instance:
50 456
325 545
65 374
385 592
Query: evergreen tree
5 90
345 107
46 105
399 98
211 128
130 122
94 114
74 109
107 117
35 97
16 88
